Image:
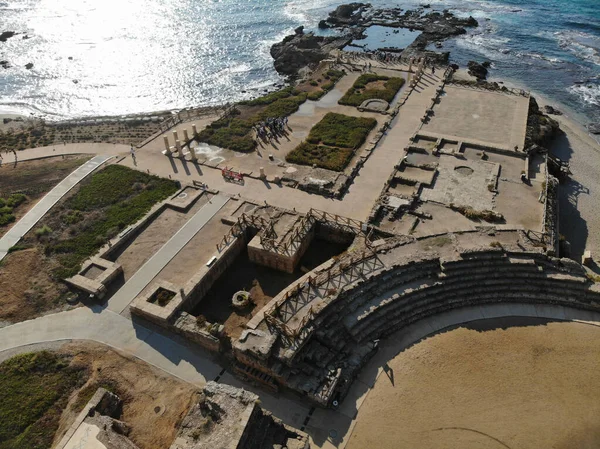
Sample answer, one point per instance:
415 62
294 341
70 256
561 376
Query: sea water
115 57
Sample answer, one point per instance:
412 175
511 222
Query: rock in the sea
323 24
349 14
5 64
300 50
594 128
299 30
550 110
4 36
477 70
29 65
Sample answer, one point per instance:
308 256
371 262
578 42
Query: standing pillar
167 147
178 146
186 137
262 172
193 154
175 136
194 130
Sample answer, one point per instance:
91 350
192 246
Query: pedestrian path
22 227
133 287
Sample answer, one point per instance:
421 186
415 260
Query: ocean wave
540 57
589 93
491 47
583 45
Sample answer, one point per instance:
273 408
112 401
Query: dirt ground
154 402
34 179
487 386
26 288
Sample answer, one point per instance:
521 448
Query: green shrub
15 200
34 388
360 91
313 83
44 230
6 219
329 158
270 97
317 94
340 130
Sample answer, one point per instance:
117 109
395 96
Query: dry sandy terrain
518 387
154 401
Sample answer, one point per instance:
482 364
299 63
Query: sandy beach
481 387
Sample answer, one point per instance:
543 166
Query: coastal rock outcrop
594 128
300 50
5 35
551 110
477 70
541 129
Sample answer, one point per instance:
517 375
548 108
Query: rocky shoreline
297 52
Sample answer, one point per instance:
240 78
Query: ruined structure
230 418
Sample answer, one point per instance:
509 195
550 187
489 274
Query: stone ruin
226 417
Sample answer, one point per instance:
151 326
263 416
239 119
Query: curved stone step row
359 312
463 286
507 291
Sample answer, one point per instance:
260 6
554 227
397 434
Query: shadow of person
389 372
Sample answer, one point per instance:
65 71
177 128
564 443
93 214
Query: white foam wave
491 47
583 45
540 57
589 93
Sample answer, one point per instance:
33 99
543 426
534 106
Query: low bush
7 206
330 158
231 133
270 97
361 91
44 230
340 130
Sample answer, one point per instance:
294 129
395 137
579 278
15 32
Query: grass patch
7 207
235 134
34 389
330 158
332 77
361 90
332 142
111 200
340 130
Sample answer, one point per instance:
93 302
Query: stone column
175 136
262 172
178 146
194 130
186 137
167 147
193 154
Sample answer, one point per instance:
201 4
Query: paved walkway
23 226
119 302
191 364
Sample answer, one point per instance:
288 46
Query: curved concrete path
191 364
24 225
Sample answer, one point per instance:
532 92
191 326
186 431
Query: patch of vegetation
110 203
333 76
85 394
7 207
340 130
34 389
229 132
44 230
330 158
162 297
332 142
235 134
361 90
